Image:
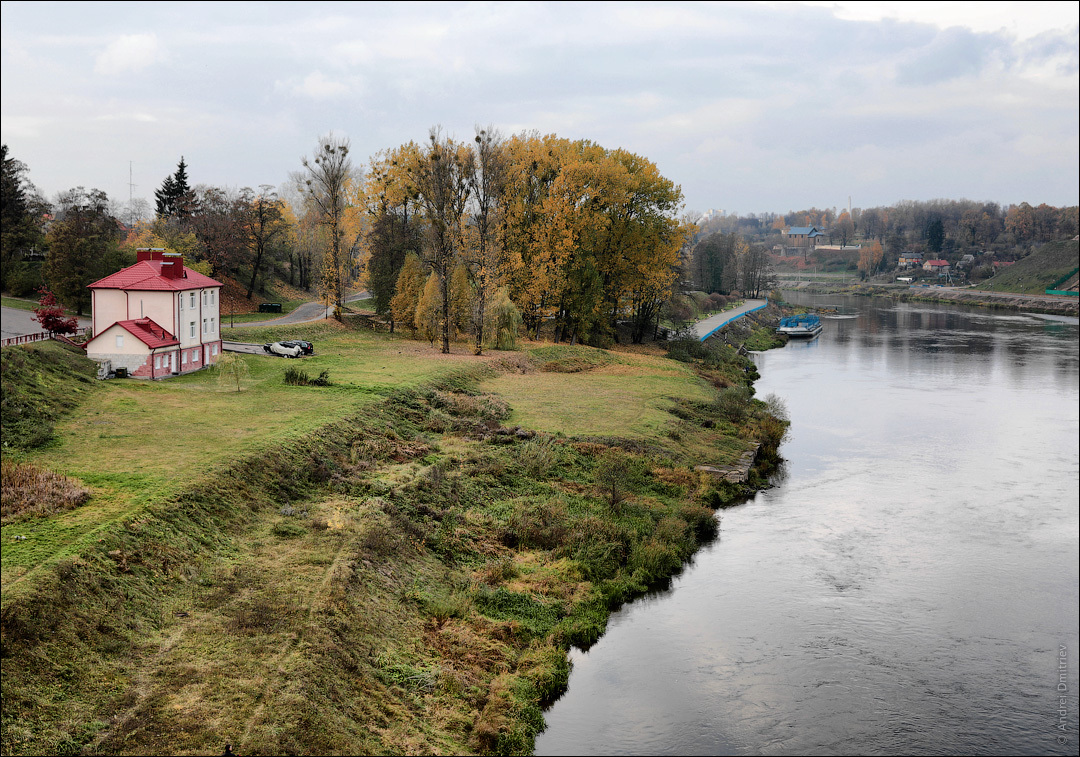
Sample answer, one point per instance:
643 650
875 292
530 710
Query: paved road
309 311
15 322
704 329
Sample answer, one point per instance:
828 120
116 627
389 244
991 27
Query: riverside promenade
706 328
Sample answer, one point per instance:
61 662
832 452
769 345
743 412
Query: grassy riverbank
395 563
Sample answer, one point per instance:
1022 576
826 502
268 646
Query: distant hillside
1038 271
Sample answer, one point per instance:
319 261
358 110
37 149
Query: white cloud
315 86
132 52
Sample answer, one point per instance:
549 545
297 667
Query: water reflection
906 584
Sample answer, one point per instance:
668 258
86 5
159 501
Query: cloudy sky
750 107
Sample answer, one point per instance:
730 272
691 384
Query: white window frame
193 329
120 340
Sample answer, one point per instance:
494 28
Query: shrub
287 530
297 377
497 571
613 473
703 522
541 525
538 455
654 561
733 403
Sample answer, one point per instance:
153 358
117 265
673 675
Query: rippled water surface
908 586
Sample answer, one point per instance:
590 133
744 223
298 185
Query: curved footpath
706 328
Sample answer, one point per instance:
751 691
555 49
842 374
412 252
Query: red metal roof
147 332
146 276
937 263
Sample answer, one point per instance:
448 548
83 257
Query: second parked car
306 348
285 349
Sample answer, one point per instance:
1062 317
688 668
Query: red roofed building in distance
156 318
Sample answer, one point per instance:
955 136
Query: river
908 586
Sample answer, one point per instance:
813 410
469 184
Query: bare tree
442 178
487 182
326 183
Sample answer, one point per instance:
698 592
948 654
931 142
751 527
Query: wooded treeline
933 226
535 228
530 228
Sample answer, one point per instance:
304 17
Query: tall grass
29 490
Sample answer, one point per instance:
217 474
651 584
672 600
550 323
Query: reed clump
29 490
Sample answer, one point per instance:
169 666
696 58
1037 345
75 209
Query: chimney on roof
172 265
149 253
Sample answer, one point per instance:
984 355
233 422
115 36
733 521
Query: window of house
181 301
213 327
183 358
192 297
193 325
157 361
211 296
214 350
204 325
119 340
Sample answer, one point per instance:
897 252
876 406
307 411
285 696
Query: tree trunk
255 271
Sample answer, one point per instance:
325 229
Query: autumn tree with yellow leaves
579 235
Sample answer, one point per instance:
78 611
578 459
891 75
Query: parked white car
283 349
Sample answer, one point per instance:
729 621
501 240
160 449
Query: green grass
42 381
20 304
1038 271
624 395
377 566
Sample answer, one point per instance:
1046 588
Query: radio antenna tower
131 201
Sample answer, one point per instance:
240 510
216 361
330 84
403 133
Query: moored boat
802 325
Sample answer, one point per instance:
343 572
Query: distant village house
940 267
804 236
156 318
910 260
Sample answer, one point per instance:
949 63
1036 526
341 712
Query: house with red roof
941 267
156 318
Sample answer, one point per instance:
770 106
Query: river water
909 585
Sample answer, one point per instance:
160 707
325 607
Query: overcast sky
750 107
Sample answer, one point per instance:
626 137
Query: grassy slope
365 568
1038 271
19 304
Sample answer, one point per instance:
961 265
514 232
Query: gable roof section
807 231
146 276
147 332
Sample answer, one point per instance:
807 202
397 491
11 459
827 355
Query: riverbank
407 577
842 613
1047 304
